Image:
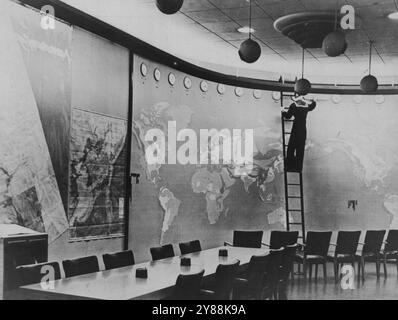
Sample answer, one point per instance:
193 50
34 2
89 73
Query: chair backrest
373 241
281 239
347 242
272 271
188 286
392 241
224 280
190 247
31 274
118 260
247 239
317 243
256 271
77 267
162 252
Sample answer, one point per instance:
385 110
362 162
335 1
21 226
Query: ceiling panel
214 15
196 5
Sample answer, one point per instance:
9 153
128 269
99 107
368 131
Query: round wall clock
187 83
276 95
336 98
156 74
380 99
257 94
358 99
172 79
239 91
143 69
221 88
204 86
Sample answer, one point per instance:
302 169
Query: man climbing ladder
295 150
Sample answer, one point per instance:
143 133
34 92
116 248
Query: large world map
213 182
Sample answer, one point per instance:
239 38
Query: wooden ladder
294 196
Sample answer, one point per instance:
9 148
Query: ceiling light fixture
335 43
246 30
369 83
302 87
394 15
250 50
169 6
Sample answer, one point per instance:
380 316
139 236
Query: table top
121 284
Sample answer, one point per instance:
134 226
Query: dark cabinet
19 246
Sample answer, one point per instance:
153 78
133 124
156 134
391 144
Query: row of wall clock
204 86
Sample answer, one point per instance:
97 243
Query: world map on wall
355 158
213 182
343 161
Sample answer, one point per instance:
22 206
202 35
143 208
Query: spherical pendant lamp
369 83
335 43
250 51
302 86
169 6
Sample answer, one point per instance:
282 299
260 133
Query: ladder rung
288 120
294 210
295 224
293 184
289 132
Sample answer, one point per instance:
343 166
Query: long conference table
121 284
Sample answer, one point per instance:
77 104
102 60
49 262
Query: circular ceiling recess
308 29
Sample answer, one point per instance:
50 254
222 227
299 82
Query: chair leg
336 270
378 268
384 265
363 268
310 270
305 269
316 271
396 261
325 274
359 268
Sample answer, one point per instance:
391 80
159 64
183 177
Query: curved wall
176 202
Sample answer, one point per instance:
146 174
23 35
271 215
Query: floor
370 289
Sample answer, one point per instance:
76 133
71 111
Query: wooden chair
190 247
163 252
250 284
246 239
272 274
390 250
280 239
371 251
118 260
188 287
80 266
345 252
30 274
220 288
315 252
286 267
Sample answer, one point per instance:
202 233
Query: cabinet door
16 253
39 249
